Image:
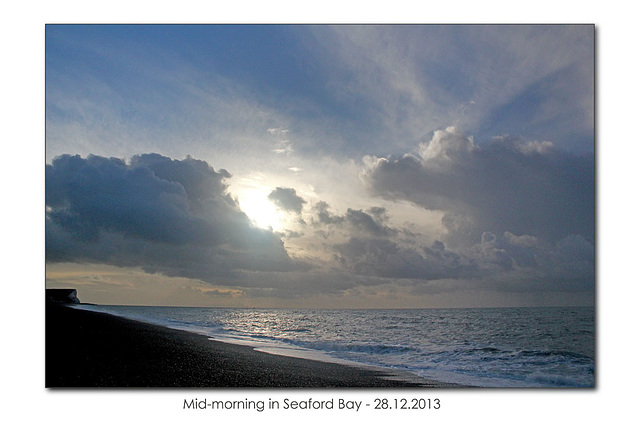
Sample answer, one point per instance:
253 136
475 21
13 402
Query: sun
256 204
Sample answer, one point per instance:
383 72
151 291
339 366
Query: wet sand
89 349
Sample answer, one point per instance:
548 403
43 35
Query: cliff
62 295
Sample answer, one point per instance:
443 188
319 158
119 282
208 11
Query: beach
89 349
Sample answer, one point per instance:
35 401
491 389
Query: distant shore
89 349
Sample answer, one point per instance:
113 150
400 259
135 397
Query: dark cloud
505 264
386 258
287 199
173 217
323 216
519 217
375 249
176 217
362 222
507 185
379 213
370 223
197 178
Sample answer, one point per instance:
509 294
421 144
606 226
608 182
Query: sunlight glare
259 209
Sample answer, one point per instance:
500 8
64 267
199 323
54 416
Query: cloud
364 243
176 218
498 263
518 216
371 222
324 216
287 199
507 185
167 216
388 259
362 222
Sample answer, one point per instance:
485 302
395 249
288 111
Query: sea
483 347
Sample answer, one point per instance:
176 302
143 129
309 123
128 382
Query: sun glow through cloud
259 209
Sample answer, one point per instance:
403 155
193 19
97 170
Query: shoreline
90 349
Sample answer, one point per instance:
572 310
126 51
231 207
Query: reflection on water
504 347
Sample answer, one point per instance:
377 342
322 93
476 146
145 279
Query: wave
455 346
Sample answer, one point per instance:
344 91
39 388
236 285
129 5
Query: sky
331 166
